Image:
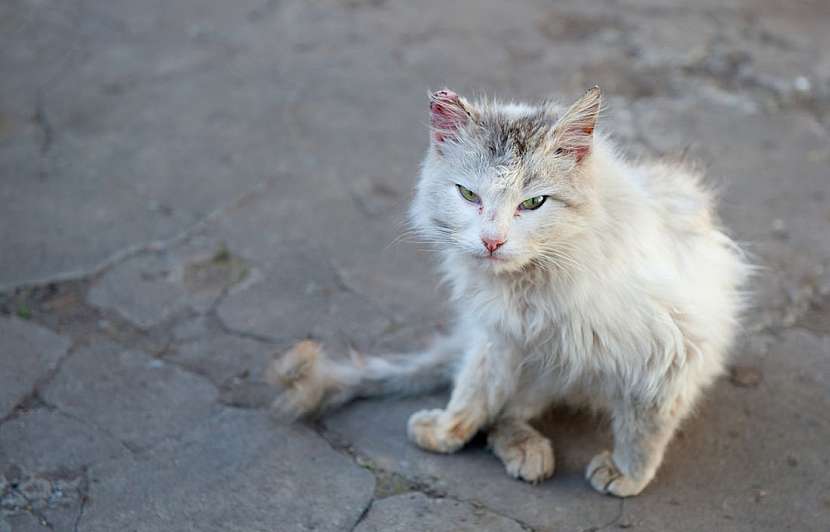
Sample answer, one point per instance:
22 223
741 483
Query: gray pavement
188 187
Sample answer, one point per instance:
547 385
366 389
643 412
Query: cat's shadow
376 428
577 435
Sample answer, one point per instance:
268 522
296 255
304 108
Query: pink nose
492 244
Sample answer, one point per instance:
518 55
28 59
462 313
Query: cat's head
505 186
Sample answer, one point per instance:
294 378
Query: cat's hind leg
525 452
312 382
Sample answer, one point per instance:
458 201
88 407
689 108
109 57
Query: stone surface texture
29 353
130 395
414 512
234 472
189 187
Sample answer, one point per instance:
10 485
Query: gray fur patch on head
517 136
511 136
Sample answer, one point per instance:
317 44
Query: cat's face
502 185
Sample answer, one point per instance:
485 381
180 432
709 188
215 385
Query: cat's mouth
495 262
497 258
498 263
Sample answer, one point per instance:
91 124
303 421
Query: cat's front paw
525 452
438 431
525 455
605 477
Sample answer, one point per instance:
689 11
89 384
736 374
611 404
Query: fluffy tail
312 382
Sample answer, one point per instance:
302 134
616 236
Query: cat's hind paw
298 374
605 477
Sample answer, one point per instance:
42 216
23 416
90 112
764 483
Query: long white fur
620 293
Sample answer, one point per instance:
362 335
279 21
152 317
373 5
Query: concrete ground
188 187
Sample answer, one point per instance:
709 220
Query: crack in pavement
152 246
34 399
610 523
344 447
363 515
42 121
84 499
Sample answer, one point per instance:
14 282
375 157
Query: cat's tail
312 382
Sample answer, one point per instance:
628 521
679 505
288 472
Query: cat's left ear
574 133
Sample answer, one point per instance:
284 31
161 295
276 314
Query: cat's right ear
574 133
447 115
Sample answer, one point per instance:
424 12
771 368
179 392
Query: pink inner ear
447 114
581 152
578 140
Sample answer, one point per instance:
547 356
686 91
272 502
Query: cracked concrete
129 394
33 352
227 473
397 513
190 188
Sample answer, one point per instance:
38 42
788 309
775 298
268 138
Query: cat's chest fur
527 312
578 332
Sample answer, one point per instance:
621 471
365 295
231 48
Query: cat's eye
531 204
468 194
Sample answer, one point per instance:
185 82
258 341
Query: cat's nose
492 244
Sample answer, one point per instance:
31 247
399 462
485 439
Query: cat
577 277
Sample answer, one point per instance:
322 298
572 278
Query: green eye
533 203
468 194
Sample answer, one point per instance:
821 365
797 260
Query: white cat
577 277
